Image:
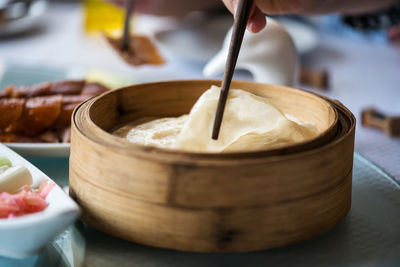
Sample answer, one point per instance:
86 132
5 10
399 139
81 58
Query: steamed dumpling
250 122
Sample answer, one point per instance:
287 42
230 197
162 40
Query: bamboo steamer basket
207 202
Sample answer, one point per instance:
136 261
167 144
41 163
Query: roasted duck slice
7 92
39 114
44 89
67 87
42 112
10 111
141 51
40 89
74 99
46 137
93 89
64 119
17 138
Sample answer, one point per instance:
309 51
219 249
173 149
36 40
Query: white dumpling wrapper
250 122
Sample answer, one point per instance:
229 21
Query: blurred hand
171 7
394 36
270 7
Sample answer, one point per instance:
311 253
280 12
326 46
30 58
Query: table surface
368 236
363 73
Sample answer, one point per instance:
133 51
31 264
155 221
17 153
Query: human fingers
272 7
170 7
257 19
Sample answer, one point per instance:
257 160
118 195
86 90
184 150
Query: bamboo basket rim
185 160
244 157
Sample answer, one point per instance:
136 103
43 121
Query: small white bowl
26 235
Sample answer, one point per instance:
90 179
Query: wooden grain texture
209 202
213 229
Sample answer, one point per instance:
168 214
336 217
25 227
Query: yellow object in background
102 16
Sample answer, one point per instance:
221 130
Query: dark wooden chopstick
239 27
126 34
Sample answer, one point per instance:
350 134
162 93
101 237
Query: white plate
27 235
40 149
